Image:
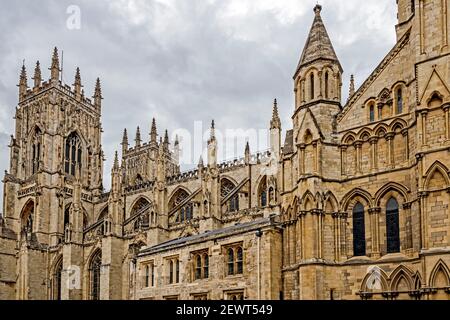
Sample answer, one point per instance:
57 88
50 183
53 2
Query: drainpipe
258 236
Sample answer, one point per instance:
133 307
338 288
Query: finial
166 137
153 131
116 160
138 137
275 123
37 75
55 65
23 82
352 86
125 136
200 162
317 9
177 142
213 131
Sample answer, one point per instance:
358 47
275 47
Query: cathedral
351 203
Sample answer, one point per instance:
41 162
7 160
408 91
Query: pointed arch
262 191
179 189
357 192
440 268
435 96
417 281
308 202
27 217
331 202
381 129
364 134
395 188
375 281
436 168
56 280
73 153
397 124
349 138
94 267
401 273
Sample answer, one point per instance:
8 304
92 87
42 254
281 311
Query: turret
153 132
166 141
318 74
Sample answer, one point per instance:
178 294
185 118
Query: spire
177 141
138 137
77 84
124 142
247 153
23 82
351 91
153 131
98 94
213 131
37 75
166 141
275 123
55 66
318 45
116 162
200 162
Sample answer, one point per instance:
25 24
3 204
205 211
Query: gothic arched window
359 233
262 192
392 226
36 151
235 260
312 86
226 188
94 271
372 113
27 218
186 211
399 101
57 280
73 154
326 85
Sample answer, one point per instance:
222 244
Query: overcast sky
183 61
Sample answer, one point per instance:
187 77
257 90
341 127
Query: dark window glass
392 226
95 276
326 85
230 262
359 237
399 101
263 198
198 267
372 113
312 86
177 271
171 272
205 266
239 261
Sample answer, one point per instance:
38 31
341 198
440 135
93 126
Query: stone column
320 84
423 219
315 163
302 159
406 142
373 156
390 143
374 214
343 160
422 26
446 108
358 145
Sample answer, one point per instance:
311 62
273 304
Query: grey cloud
182 61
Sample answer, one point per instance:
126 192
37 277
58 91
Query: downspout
258 236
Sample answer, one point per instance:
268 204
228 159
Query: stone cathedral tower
56 162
